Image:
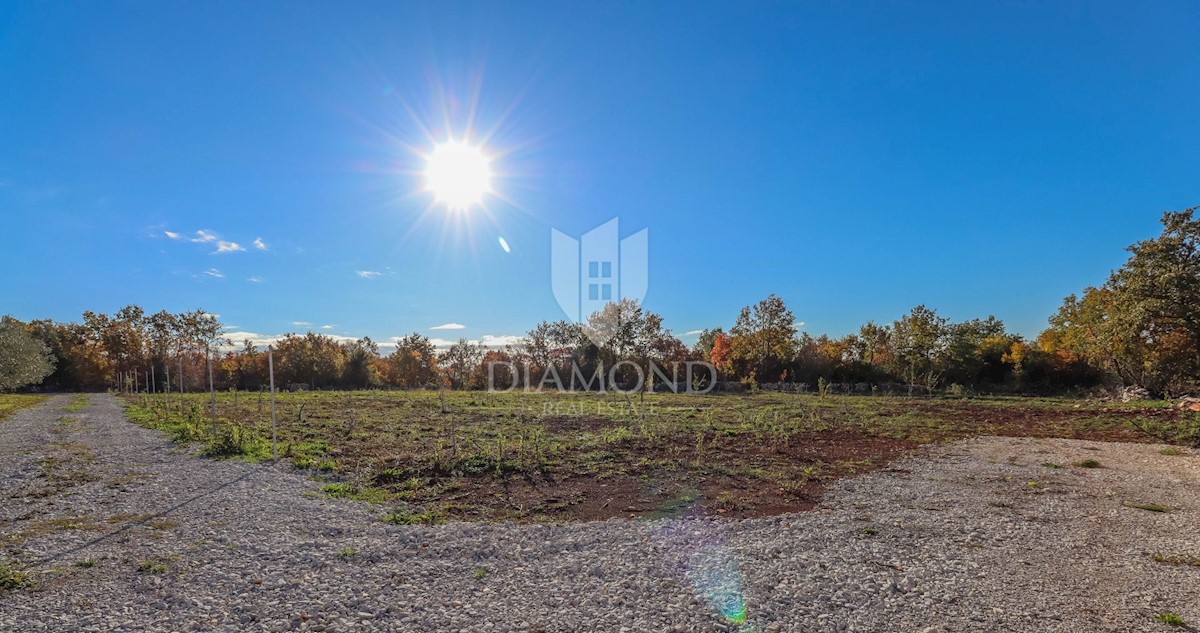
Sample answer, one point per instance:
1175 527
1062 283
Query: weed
870 531
1171 452
1160 557
480 573
1170 619
1088 463
11 578
406 516
86 563
1050 465
348 552
154 566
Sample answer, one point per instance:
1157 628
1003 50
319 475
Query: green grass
10 402
1088 463
12 578
78 403
1171 452
154 566
1170 619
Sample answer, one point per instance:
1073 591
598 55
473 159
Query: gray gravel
123 530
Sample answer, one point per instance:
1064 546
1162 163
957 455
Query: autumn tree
763 339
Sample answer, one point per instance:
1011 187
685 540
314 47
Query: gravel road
122 530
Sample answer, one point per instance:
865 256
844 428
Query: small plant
480 573
86 563
1089 463
1050 465
1150 507
1171 452
870 531
1160 557
153 567
1170 619
348 552
12 578
407 516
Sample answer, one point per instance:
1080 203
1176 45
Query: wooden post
274 435
153 380
212 395
181 384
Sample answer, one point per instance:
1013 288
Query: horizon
276 180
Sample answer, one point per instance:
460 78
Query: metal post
274 435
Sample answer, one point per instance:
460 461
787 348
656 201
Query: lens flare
698 549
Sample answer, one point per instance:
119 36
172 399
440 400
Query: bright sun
458 174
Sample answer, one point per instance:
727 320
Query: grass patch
1160 557
1088 463
154 566
1170 619
593 455
1050 465
12 578
1171 451
10 402
78 403
348 552
409 516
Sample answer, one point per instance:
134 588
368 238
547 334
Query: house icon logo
597 269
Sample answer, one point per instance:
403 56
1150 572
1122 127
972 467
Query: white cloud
490 341
172 235
204 236
213 272
229 247
260 244
499 341
327 326
238 339
693 332
449 326
301 324
368 274
254 280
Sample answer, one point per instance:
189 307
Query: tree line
1141 327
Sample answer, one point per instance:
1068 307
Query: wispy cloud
203 236
172 235
449 326
301 324
229 247
260 244
213 272
368 274
254 280
327 326
693 332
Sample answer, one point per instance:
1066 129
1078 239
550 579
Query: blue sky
855 158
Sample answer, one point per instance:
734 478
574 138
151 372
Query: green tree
24 359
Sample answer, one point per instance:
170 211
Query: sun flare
458 174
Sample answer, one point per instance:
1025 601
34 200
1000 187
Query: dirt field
537 457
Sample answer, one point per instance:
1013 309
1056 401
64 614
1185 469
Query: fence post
181 384
274 435
212 395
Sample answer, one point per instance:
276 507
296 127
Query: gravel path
122 530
